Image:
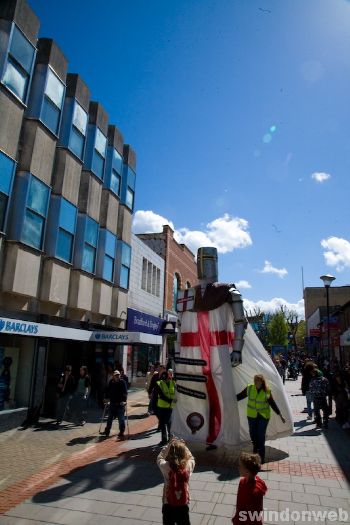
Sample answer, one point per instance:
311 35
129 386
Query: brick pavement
109 482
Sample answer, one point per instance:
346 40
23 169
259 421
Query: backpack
177 491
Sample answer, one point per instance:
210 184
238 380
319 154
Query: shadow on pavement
81 440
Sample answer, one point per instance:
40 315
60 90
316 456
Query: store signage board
27 328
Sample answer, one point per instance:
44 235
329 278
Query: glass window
66 230
80 119
15 79
6 173
33 229
35 214
50 115
52 103
124 277
76 142
115 182
126 254
98 164
144 274
108 268
19 64
22 50
54 89
100 143
3 208
64 245
129 198
89 254
110 244
176 286
117 162
38 196
91 231
68 214
90 244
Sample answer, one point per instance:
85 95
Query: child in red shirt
251 491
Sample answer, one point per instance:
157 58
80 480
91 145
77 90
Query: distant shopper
258 412
309 366
81 395
319 388
166 401
251 491
176 464
64 391
116 396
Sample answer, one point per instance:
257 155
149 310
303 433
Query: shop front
142 356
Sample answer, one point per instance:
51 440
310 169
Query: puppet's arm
240 326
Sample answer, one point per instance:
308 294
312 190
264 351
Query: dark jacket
65 387
117 392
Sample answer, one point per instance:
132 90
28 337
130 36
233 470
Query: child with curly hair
176 464
251 491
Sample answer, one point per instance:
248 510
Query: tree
300 334
277 329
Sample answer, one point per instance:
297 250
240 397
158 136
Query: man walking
116 395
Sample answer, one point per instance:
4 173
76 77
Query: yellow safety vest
258 402
168 390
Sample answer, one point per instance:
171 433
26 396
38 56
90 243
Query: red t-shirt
250 499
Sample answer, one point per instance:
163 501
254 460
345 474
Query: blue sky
239 111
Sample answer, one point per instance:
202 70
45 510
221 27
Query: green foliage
277 329
301 333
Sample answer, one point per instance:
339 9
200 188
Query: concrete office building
67 187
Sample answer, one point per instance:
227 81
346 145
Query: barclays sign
9 326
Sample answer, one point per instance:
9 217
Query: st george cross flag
208 335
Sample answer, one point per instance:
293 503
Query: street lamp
327 281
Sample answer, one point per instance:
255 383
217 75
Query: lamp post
327 281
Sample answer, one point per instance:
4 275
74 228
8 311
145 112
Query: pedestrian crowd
322 382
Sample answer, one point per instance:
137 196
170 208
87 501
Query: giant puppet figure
219 355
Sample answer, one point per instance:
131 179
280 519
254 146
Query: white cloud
337 252
268 268
273 305
149 222
243 284
320 176
226 233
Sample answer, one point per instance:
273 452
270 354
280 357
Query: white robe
228 383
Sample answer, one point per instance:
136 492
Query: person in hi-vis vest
260 402
165 403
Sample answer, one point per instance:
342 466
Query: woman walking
82 394
260 401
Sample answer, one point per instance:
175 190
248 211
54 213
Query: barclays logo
18 328
97 336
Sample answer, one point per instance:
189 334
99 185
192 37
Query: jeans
175 515
116 411
257 431
63 406
80 406
309 400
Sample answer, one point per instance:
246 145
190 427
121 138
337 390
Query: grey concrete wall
109 211
115 139
20 12
11 115
37 151
129 156
80 291
21 272
50 53
102 298
54 282
66 176
90 195
98 116
76 88
124 224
